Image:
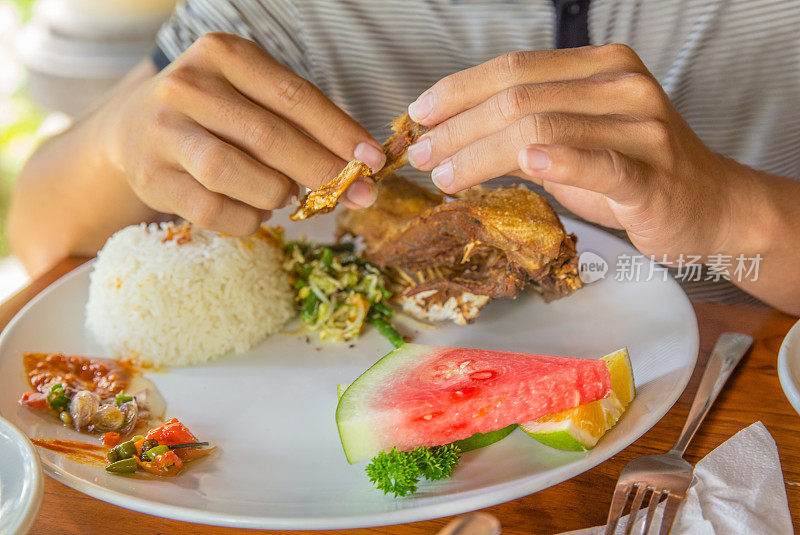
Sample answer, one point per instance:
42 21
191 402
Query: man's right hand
225 133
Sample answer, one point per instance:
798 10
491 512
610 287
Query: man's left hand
596 129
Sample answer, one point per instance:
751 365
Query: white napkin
738 488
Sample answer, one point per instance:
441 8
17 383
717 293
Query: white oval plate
789 366
21 485
271 411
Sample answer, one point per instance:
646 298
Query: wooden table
752 394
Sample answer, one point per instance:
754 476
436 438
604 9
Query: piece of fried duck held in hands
325 198
406 133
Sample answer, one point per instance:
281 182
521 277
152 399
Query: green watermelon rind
561 440
360 442
481 440
475 442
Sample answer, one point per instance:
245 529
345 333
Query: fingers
587 204
271 85
177 192
465 89
223 168
237 92
267 137
603 171
497 154
584 203
593 96
360 194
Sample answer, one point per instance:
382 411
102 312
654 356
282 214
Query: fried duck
449 259
324 198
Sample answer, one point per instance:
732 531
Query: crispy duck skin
398 202
406 133
487 243
325 198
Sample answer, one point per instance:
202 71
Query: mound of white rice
171 295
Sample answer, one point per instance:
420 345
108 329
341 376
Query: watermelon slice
475 442
426 396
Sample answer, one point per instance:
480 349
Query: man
690 147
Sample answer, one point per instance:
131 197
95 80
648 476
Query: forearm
765 220
70 196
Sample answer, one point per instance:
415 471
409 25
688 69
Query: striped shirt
730 67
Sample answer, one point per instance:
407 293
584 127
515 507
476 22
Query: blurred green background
57 58
20 118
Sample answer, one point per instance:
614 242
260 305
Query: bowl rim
790 387
32 491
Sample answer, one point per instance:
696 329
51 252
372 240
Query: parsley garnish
398 472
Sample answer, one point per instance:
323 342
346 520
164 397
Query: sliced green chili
152 453
125 466
56 397
126 450
122 397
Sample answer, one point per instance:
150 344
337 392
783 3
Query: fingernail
420 152
371 155
442 175
422 107
535 160
362 193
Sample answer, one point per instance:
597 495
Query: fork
668 475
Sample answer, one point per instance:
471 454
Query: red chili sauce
80 452
104 377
